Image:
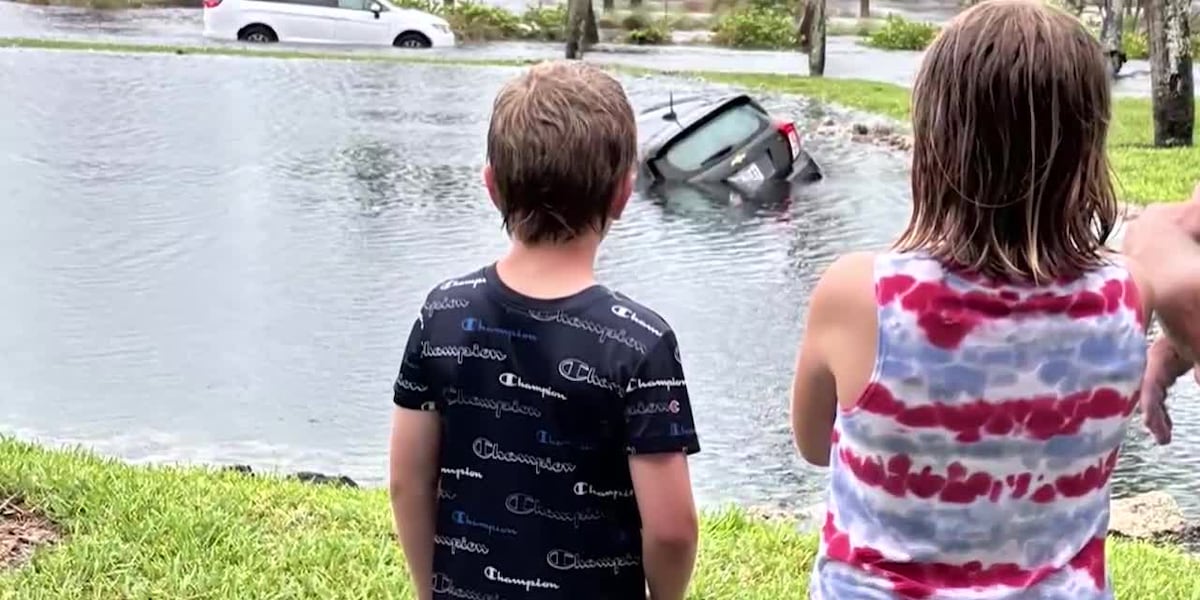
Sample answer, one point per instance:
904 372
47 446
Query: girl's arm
839 336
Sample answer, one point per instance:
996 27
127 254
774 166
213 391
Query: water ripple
218 259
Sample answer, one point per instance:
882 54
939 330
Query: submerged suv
360 22
730 143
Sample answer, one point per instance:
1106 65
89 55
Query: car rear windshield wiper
718 155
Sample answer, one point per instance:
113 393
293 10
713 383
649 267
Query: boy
540 440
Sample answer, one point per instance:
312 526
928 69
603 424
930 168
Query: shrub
481 22
655 34
1136 43
473 22
642 28
545 24
898 33
637 19
755 28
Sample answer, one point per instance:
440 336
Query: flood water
217 259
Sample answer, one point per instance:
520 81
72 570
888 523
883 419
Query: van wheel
258 34
412 39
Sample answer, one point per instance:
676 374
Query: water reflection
218 259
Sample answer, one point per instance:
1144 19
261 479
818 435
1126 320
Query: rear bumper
806 168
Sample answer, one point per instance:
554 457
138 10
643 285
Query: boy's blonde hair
1010 175
562 139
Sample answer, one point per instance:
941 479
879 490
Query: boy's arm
662 434
413 466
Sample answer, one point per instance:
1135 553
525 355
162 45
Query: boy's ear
621 199
489 181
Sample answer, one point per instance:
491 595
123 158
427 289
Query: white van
364 22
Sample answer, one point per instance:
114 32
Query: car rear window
734 127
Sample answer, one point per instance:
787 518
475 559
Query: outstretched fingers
1163 367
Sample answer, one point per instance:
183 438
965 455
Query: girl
971 452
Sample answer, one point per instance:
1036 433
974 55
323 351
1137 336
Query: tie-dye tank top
977 463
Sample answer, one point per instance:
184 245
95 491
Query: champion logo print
625 312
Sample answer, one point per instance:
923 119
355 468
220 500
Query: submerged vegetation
172 532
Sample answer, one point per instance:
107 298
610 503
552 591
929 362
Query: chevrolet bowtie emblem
737 160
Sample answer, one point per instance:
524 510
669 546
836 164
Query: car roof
654 130
688 109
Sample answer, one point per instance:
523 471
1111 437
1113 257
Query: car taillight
212 3
788 129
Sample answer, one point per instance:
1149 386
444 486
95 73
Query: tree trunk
864 9
577 11
1112 31
635 3
591 30
609 5
1171 86
804 27
816 54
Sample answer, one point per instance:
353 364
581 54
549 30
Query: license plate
751 174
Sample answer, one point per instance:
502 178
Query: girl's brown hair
1010 177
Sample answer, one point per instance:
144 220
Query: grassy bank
1144 174
141 532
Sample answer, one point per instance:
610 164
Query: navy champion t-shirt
541 403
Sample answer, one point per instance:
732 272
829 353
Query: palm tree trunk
1171 85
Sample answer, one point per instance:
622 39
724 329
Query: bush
898 33
653 35
643 29
474 22
636 20
755 27
545 24
1136 44
480 22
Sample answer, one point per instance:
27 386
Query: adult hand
1164 242
1163 367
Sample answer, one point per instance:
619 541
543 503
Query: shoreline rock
891 136
312 477
1153 517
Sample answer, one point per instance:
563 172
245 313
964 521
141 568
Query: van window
353 4
734 127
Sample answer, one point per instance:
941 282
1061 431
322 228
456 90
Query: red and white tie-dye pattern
977 463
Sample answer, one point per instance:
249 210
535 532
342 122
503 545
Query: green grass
1144 174
190 533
